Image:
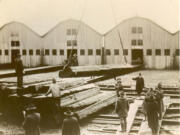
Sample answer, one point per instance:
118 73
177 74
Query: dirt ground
151 77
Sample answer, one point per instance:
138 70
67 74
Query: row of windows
98 52
137 30
158 52
137 42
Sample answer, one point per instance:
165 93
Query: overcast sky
42 15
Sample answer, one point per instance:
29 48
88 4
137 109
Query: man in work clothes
118 86
152 114
19 71
31 121
70 124
139 84
54 89
122 108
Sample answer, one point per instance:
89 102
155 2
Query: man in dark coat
139 84
122 108
70 124
118 86
159 98
31 121
19 71
152 114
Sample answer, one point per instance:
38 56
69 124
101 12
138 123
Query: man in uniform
122 108
19 71
139 84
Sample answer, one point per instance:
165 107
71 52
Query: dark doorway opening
14 54
137 56
72 57
69 51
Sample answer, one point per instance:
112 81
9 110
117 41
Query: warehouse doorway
137 56
14 54
74 59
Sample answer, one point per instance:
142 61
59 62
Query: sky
101 15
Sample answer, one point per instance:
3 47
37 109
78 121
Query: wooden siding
153 36
86 39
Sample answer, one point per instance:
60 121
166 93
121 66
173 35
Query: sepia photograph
89 67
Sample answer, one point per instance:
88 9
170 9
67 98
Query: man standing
159 98
19 71
31 121
122 108
70 124
152 114
118 86
54 89
139 84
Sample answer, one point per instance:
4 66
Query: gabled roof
5 25
137 17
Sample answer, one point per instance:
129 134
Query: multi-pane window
125 51
23 52
133 42
74 31
82 52
74 42
177 52
37 52
140 42
157 52
167 52
68 31
68 42
90 51
30 52
71 32
6 52
108 52
98 51
140 30
116 51
61 52
149 52
137 30
0 52
54 52
46 51
133 29
15 43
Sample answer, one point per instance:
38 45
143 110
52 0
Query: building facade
141 41
135 41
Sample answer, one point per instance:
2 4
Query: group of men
153 106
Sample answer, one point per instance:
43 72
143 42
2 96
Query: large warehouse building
135 41
139 40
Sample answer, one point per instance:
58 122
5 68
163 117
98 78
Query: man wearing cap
31 121
70 124
139 84
122 108
118 86
19 71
